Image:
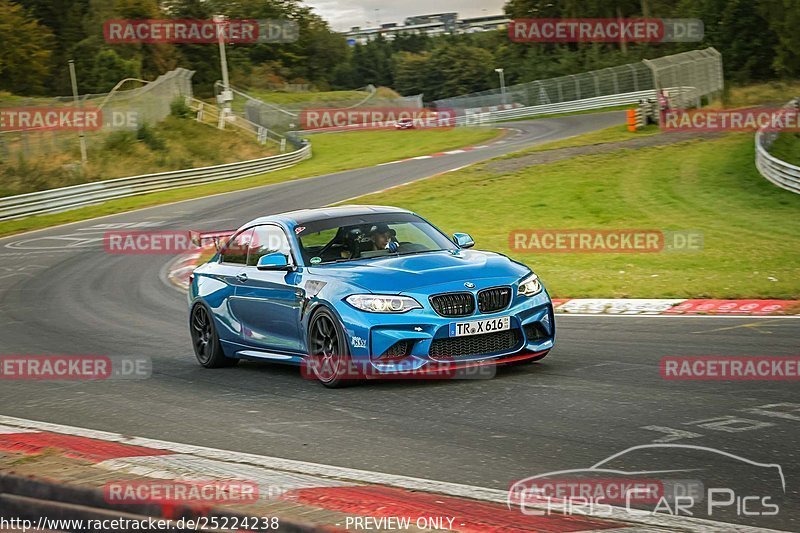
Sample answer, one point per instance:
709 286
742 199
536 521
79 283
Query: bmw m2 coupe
363 292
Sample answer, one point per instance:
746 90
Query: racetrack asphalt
598 393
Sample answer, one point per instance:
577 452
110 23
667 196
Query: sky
343 14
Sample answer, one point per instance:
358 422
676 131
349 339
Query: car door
268 302
230 270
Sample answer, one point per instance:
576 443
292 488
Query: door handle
241 277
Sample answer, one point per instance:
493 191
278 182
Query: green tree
25 50
108 68
783 17
410 73
457 69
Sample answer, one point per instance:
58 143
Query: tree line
757 38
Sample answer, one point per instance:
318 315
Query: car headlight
530 286
377 303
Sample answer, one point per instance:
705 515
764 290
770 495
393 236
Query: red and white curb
676 307
440 154
360 492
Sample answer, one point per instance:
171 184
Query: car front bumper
418 342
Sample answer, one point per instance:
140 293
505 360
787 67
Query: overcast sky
343 14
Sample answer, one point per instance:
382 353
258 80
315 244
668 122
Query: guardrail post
283 144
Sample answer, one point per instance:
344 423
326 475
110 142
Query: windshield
352 238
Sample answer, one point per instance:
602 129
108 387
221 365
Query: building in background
435 24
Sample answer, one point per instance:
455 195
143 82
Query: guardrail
586 104
206 113
65 198
780 173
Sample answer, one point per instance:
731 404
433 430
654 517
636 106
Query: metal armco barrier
65 198
586 104
779 172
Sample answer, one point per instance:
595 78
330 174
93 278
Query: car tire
205 339
329 356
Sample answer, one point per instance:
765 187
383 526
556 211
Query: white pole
84 157
502 84
226 90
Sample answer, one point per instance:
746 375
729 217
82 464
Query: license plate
476 327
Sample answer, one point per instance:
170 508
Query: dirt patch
559 154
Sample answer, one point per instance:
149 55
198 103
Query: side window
236 250
267 240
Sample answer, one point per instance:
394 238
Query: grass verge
787 147
751 229
332 153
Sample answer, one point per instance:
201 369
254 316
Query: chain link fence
287 117
121 109
686 77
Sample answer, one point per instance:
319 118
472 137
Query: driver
381 236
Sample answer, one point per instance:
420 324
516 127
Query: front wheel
329 358
205 340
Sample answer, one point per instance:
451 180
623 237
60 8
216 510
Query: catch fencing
287 117
687 78
122 109
777 171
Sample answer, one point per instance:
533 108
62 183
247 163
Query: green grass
173 144
772 92
607 135
332 153
787 147
751 229
278 97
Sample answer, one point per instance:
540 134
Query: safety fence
212 115
288 117
65 198
123 108
698 70
600 102
781 173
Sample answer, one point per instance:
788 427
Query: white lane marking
422 157
482 146
687 524
459 168
389 163
455 152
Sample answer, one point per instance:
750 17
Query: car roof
303 216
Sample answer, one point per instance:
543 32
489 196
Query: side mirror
273 261
463 240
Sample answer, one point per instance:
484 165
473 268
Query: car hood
412 272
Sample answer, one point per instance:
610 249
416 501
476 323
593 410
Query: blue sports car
359 292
